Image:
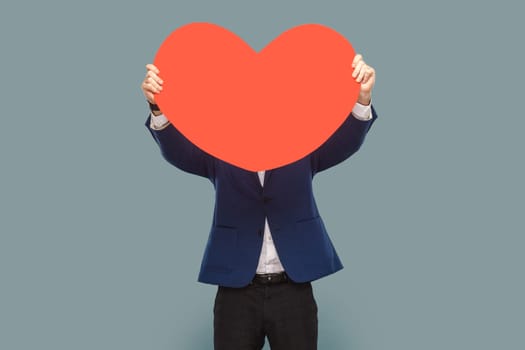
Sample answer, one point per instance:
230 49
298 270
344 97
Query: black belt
270 278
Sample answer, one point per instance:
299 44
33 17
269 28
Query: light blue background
101 239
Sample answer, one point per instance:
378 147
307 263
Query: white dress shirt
268 259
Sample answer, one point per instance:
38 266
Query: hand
152 83
366 76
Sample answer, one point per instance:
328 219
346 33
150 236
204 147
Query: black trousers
286 313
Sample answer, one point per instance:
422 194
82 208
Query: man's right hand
152 84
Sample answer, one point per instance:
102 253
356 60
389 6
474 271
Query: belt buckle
270 278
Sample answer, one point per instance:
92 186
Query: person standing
267 241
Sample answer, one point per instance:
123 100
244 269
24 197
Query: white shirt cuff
158 122
362 112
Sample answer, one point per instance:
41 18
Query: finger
147 93
361 74
154 89
369 79
366 78
372 71
356 59
358 68
370 74
151 67
154 76
150 88
153 83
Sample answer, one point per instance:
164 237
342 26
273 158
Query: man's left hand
366 76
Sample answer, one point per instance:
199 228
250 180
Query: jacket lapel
267 175
255 178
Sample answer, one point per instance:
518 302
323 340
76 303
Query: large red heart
257 111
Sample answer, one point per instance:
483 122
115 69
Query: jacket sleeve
346 140
181 152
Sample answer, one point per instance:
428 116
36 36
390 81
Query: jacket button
266 199
260 232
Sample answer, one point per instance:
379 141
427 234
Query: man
267 241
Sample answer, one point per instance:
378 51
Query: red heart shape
257 111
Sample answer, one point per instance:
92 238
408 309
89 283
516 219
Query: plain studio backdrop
101 239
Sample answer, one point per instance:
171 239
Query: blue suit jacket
241 205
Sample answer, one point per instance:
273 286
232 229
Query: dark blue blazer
241 205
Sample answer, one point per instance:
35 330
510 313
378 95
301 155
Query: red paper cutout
257 111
